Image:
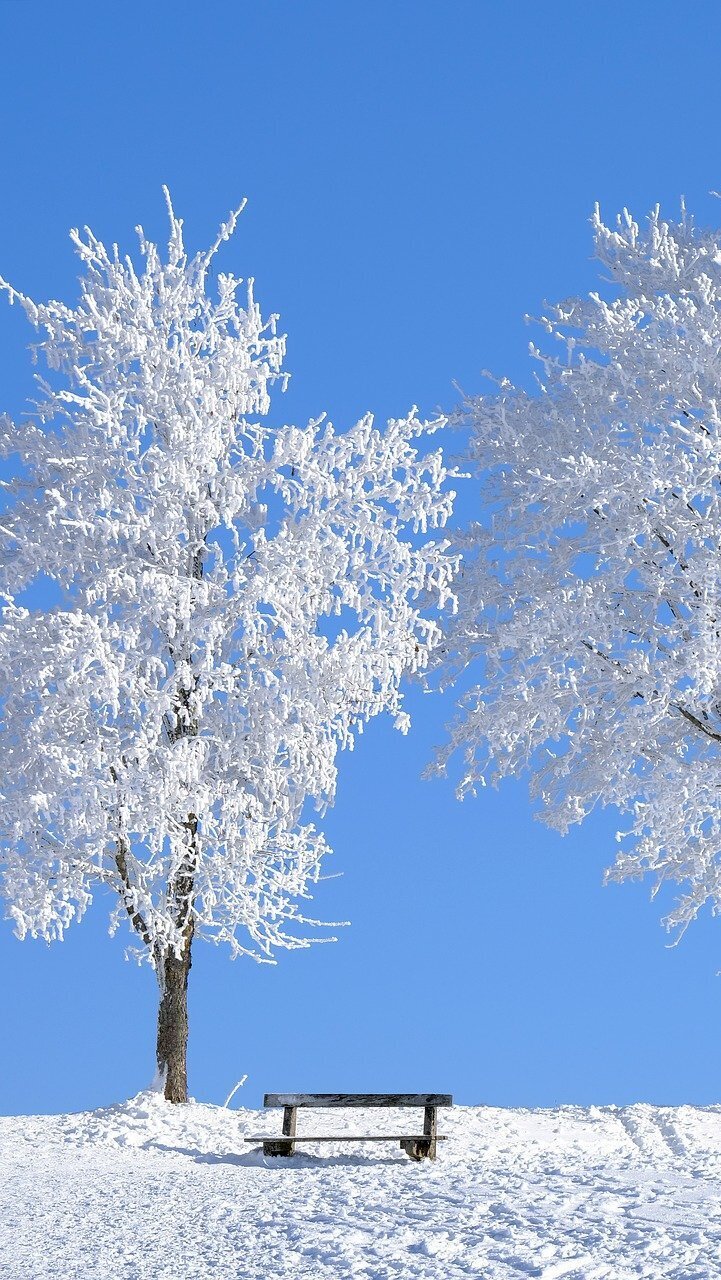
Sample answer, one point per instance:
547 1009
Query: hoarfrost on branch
168 719
591 589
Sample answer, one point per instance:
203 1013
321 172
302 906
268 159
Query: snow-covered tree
199 611
590 596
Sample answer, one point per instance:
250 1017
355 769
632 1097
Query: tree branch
136 919
684 711
693 719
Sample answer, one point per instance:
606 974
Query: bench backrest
358 1100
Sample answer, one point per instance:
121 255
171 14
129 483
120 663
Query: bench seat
347 1137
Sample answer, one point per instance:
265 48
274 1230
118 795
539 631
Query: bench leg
415 1148
289 1119
424 1148
430 1129
278 1146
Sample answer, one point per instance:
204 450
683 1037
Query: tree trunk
172 1046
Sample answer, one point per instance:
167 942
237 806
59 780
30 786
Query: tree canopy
229 603
590 595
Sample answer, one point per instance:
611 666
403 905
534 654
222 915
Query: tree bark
172 970
172 1043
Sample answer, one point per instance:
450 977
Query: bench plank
358 1100
348 1137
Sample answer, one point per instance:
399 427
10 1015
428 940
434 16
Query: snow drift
149 1190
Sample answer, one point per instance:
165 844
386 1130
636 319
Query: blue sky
419 176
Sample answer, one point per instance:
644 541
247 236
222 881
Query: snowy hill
147 1190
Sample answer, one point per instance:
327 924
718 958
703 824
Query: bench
416 1145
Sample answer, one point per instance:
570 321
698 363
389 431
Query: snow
145 1189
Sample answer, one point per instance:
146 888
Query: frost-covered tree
591 592
199 611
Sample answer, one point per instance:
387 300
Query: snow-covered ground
149 1190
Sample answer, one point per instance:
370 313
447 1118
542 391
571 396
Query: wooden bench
416 1145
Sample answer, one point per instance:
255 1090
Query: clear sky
419 176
